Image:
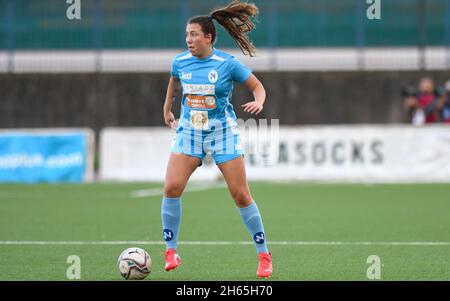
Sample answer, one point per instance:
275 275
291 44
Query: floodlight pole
272 34
447 30
98 36
422 34
10 19
360 34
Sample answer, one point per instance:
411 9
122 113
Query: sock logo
168 235
259 238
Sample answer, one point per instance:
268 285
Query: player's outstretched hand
252 107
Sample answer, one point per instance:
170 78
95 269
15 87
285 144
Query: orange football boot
172 259
265 265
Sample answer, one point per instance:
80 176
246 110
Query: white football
134 264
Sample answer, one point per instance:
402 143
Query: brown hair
236 19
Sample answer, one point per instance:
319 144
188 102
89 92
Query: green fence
119 24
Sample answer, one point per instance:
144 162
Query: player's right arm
172 91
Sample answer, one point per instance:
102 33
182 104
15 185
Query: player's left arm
255 86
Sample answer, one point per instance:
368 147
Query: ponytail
236 19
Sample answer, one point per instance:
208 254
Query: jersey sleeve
239 72
174 68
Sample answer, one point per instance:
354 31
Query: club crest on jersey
168 235
213 76
259 238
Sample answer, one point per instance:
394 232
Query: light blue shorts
222 148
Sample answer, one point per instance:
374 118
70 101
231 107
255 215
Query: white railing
278 59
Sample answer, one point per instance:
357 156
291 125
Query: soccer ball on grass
134 264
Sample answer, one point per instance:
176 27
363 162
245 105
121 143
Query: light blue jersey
207 119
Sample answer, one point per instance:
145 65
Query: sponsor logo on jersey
186 75
199 89
199 120
213 76
201 101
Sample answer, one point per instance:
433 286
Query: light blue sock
171 217
252 219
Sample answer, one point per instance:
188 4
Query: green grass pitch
313 230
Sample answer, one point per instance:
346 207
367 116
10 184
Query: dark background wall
118 24
100 100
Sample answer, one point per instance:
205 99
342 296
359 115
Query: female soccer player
208 123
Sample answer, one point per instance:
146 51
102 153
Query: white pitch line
213 243
159 191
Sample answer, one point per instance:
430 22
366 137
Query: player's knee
173 190
242 198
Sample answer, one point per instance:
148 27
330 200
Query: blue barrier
32 158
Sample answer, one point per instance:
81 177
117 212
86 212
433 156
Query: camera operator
445 104
423 105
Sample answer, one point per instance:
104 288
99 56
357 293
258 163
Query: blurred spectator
445 104
423 105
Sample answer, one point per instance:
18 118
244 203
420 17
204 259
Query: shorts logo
213 76
168 235
259 238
